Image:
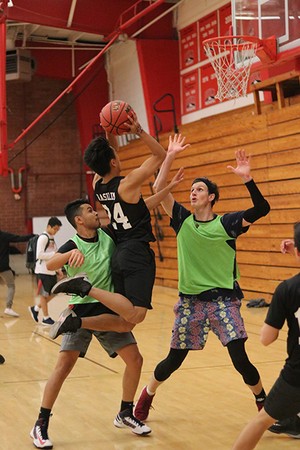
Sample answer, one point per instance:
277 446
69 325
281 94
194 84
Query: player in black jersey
133 263
283 400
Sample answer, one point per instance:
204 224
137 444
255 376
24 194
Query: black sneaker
2 359
34 314
290 426
127 419
67 322
48 321
39 434
78 285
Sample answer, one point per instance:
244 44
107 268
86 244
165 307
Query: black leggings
237 353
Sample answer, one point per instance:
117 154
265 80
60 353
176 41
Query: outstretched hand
243 167
176 144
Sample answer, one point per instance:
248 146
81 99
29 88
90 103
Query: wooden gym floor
203 406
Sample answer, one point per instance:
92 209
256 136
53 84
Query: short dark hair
73 209
297 235
211 186
98 155
54 221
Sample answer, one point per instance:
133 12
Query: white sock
36 308
46 317
149 392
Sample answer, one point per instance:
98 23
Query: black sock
44 414
261 396
126 405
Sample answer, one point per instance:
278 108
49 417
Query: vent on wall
18 65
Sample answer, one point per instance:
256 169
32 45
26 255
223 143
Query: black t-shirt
285 306
5 239
131 221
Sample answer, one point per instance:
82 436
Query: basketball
114 115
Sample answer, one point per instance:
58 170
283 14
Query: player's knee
125 327
137 316
138 361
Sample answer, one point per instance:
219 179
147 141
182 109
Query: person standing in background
46 248
6 273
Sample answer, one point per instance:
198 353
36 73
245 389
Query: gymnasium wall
273 141
53 162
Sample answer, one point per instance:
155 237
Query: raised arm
130 186
113 141
156 199
261 206
176 145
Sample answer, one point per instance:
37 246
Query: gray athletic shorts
283 400
109 340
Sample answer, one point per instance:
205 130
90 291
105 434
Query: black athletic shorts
283 400
45 283
133 272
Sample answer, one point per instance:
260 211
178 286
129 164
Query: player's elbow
265 208
264 341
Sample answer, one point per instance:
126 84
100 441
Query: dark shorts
194 319
283 400
133 272
45 283
110 341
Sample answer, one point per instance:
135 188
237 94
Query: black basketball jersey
285 306
129 220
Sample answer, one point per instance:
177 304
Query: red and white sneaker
141 410
39 434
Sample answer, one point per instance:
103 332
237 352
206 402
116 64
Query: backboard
265 18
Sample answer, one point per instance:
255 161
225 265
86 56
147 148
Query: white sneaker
11 312
127 419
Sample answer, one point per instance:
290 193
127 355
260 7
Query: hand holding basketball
118 117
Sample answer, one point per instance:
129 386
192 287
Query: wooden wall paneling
272 139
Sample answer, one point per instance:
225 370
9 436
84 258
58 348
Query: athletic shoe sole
54 330
65 280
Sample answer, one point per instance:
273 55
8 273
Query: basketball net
231 58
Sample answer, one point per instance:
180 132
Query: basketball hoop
231 58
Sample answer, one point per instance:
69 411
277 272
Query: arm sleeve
233 223
16 237
260 207
67 246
